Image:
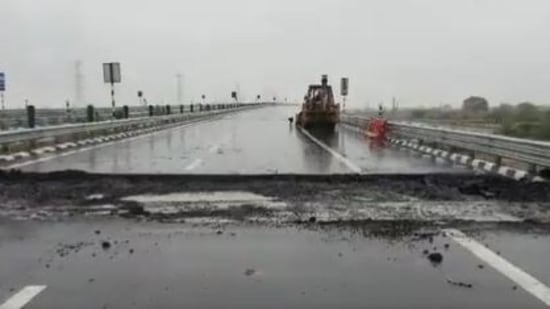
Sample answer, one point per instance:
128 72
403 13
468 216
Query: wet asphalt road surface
173 266
76 240
259 141
96 241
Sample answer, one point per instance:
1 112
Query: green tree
501 114
475 104
527 112
544 129
418 113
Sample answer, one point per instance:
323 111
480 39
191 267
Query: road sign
234 95
2 81
344 85
111 72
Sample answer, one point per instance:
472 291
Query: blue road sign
2 81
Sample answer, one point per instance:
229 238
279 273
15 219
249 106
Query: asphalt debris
65 249
249 272
106 245
435 257
97 232
460 284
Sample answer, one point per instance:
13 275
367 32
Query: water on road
260 141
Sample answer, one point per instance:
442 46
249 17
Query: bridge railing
31 137
534 153
19 118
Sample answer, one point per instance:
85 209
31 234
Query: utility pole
78 84
2 89
179 88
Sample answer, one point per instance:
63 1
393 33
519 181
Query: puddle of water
220 200
97 196
190 197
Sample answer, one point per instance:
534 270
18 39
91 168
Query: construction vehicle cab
319 108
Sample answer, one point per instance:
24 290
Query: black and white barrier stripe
466 160
62 147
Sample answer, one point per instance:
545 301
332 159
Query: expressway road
73 240
259 141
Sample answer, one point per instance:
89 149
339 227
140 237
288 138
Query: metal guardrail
535 153
18 118
12 136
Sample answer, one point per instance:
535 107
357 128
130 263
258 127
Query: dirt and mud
313 241
386 204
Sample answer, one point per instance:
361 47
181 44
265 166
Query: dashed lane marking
354 168
193 165
520 277
24 296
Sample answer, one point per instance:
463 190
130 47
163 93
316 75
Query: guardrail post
168 111
532 169
191 108
125 112
181 109
31 116
151 111
90 113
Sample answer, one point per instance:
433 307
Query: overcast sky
424 52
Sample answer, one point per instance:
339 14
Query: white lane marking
521 278
354 168
24 296
97 146
193 164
